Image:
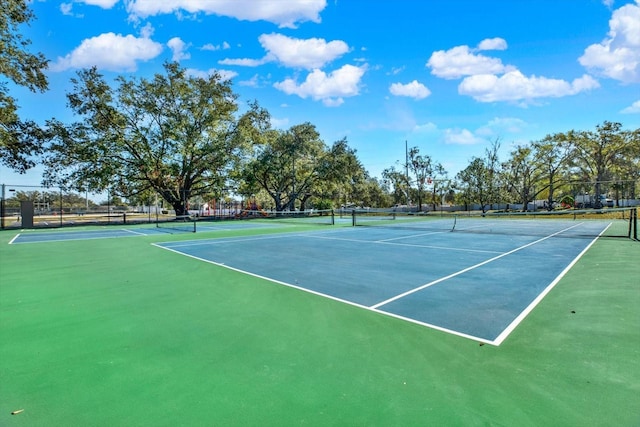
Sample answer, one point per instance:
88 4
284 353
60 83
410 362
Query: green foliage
19 139
296 169
175 135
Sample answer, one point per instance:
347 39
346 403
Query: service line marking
473 267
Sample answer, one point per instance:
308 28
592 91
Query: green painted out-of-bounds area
118 332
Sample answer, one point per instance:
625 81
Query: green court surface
117 332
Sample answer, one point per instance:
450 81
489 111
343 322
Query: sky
450 77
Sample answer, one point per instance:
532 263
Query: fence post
2 209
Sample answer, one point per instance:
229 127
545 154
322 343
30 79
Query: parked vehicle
589 201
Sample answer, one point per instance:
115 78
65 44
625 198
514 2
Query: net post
353 218
333 218
635 223
630 228
194 225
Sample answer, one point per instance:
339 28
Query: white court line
411 245
351 303
544 293
218 240
413 235
134 232
77 235
473 267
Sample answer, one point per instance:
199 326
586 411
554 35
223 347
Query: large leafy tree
422 168
174 134
19 139
521 174
346 179
295 165
480 180
597 154
474 182
551 156
398 184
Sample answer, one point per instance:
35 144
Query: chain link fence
23 206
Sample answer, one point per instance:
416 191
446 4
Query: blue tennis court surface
480 286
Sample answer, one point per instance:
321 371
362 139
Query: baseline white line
473 267
505 333
14 238
133 232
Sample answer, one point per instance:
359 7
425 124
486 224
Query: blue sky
447 76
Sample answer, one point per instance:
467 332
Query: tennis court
111 232
479 287
401 322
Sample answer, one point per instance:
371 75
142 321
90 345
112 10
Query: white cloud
279 123
283 13
298 53
224 74
147 31
461 137
496 43
66 8
460 61
396 70
618 55
109 51
413 90
212 47
105 4
514 86
178 48
244 62
428 127
632 109
329 88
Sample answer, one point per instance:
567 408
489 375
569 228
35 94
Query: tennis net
180 224
311 216
588 223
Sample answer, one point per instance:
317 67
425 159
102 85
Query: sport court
116 331
475 285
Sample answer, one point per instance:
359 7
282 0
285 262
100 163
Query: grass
117 332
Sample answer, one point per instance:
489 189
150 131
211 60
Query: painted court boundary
376 308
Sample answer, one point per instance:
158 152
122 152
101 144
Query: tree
492 165
174 134
521 174
346 179
552 156
398 183
480 179
422 168
440 184
475 183
288 166
598 153
19 139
